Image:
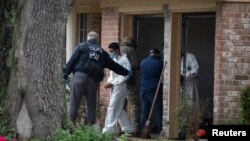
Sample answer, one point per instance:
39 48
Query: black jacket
85 51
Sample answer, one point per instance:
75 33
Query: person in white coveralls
118 89
190 77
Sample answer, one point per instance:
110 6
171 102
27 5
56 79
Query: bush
245 105
5 127
189 117
86 133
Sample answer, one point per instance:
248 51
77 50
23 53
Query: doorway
148 33
198 38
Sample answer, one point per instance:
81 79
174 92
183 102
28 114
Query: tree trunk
35 86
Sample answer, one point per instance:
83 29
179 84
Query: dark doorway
148 33
198 38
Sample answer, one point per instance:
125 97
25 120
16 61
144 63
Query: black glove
130 73
182 79
65 79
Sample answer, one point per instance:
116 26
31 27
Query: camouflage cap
127 41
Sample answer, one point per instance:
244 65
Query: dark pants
147 97
83 85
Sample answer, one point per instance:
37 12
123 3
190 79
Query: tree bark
35 87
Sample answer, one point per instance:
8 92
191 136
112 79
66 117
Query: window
82 27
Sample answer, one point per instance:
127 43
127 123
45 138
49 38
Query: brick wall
94 22
110 26
232 59
109 33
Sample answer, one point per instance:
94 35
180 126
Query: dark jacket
151 68
85 51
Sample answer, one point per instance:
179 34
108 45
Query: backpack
94 70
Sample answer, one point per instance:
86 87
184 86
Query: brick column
169 128
109 33
232 60
110 26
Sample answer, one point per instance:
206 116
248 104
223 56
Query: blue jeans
147 97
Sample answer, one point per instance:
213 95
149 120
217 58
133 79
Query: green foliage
7 39
66 123
232 122
245 104
86 133
189 117
62 135
6 130
183 113
123 137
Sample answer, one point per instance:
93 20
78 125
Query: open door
198 38
148 33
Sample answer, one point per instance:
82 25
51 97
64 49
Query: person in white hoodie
118 89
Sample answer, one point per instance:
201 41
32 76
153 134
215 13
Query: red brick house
217 32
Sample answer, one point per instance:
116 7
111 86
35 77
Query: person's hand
65 80
108 85
65 77
182 78
130 73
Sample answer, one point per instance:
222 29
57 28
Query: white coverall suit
191 83
115 111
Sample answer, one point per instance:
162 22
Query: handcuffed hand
65 80
130 73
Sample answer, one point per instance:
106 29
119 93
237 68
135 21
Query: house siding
232 59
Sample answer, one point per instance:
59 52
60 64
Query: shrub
245 105
86 133
123 137
189 118
5 127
